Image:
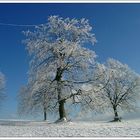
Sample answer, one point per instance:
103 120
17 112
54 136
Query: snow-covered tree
2 86
31 104
122 88
59 60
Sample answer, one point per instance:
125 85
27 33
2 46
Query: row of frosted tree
64 72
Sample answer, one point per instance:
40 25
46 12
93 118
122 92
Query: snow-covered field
129 128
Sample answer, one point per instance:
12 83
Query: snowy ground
129 128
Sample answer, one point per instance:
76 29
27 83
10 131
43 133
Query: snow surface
129 128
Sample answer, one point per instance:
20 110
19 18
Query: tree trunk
116 118
62 113
45 108
45 116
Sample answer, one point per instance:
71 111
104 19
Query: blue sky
116 26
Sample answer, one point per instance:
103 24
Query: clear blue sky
116 26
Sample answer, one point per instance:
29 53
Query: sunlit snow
127 128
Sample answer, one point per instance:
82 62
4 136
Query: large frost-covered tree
122 88
59 61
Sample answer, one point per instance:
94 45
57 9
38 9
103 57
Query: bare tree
122 88
59 60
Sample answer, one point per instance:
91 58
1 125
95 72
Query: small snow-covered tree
59 59
2 86
122 88
29 103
